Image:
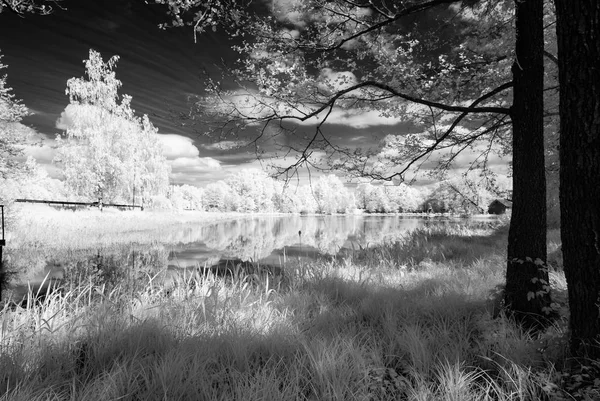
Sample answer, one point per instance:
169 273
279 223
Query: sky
163 70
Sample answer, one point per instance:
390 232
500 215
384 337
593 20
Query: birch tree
107 152
12 133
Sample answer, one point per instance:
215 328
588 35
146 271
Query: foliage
331 196
28 6
186 197
253 190
219 196
13 134
107 152
386 199
470 194
34 185
314 62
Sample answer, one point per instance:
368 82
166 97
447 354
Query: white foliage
107 152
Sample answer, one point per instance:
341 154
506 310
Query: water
269 240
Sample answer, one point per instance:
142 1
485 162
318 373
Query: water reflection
266 239
270 238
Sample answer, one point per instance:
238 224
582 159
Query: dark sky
160 69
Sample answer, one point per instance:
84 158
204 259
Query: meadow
417 319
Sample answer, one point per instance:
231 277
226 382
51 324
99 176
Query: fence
67 203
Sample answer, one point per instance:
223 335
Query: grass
411 320
41 226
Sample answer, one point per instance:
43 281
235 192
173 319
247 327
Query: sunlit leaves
29 6
107 152
13 135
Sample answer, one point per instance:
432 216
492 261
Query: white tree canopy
12 133
107 152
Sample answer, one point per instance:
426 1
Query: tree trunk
527 295
578 31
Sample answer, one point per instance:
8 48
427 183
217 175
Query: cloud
191 164
297 13
357 118
187 167
254 105
286 10
177 146
224 145
400 147
43 154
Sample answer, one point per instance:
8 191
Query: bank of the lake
40 224
418 319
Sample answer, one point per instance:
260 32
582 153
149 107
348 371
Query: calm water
272 240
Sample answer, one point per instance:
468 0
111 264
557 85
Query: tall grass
411 320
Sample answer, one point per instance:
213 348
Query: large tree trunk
527 294
578 31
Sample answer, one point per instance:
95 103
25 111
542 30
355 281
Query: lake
269 240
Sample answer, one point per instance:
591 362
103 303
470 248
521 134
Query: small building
499 206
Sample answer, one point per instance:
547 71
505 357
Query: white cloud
224 145
176 146
357 118
285 10
187 167
43 154
191 164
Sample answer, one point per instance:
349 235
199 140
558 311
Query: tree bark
578 32
527 295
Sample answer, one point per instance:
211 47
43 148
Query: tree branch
551 57
407 11
451 108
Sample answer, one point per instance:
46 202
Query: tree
187 197
321 59
28 6
146 164
254 188
220 197
108 153
12 111
578 31
331 196
527 281
12 133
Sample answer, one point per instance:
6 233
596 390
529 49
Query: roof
504 202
